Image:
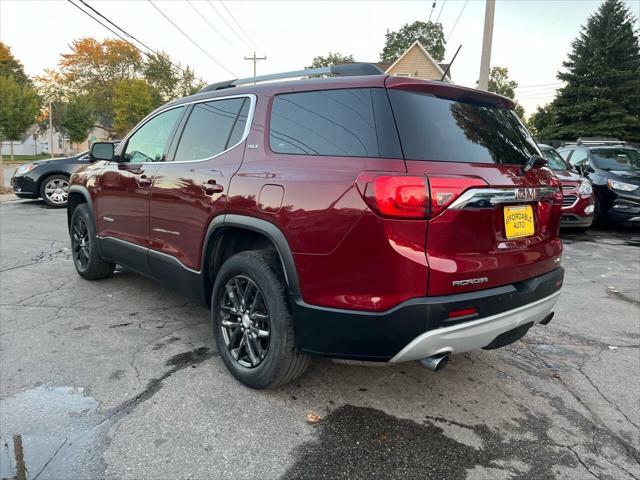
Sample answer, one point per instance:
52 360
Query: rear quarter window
343 122
433 128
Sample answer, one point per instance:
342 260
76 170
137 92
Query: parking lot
120 379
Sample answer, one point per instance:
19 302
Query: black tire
281 361
86 258
54 190
599 216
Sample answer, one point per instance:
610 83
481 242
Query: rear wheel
54 190
86 259
252 324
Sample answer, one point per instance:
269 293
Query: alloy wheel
57 191
244 321
81 242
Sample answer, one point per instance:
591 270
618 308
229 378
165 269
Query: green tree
188 84
542 123
602 74
78 118
169 80
500 83
10 66
93 69
19 106
132 100
430 35
330 59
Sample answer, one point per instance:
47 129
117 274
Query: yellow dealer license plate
518 221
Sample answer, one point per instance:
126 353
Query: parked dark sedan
614 172
578 198
48 179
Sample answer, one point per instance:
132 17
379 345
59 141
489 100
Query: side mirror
101 151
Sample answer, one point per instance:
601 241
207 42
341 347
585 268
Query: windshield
433 128
623 159
554 159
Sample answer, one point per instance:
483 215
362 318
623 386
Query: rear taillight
412 196
398 196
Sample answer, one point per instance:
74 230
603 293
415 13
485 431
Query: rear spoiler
450 92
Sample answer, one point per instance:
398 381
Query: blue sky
531 38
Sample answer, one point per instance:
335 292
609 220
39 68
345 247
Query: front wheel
54 190
252 324
84 250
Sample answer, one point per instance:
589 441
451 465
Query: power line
440 12
240 28
456 22
108 28
183 70
212 27
229 26
538 85
191 39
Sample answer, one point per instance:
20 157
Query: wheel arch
77 195
226 236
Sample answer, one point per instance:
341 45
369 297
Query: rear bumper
475 334
383 336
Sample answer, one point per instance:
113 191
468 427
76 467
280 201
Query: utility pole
50 130
485 62
255 61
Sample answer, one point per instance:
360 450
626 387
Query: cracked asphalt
119 379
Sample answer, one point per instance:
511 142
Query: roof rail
599 141
340 69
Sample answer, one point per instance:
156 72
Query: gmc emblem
525 193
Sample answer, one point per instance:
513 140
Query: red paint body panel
122 202
181 210
466 244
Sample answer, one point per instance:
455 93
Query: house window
402 74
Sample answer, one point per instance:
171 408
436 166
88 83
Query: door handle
211 186
144 181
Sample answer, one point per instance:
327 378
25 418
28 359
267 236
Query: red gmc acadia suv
362 216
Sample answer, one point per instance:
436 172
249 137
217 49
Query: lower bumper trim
475 334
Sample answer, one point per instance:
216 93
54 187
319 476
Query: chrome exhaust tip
435 362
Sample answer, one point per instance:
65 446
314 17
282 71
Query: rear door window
440 129
212 128
353 122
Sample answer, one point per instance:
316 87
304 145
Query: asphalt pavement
120 379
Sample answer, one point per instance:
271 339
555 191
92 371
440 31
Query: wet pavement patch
357 442
41 426
55 433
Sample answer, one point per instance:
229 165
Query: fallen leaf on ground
312 418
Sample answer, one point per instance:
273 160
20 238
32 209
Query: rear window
433 128
354 122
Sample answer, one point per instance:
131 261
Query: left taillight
396 196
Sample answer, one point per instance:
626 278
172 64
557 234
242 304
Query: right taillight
412 196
